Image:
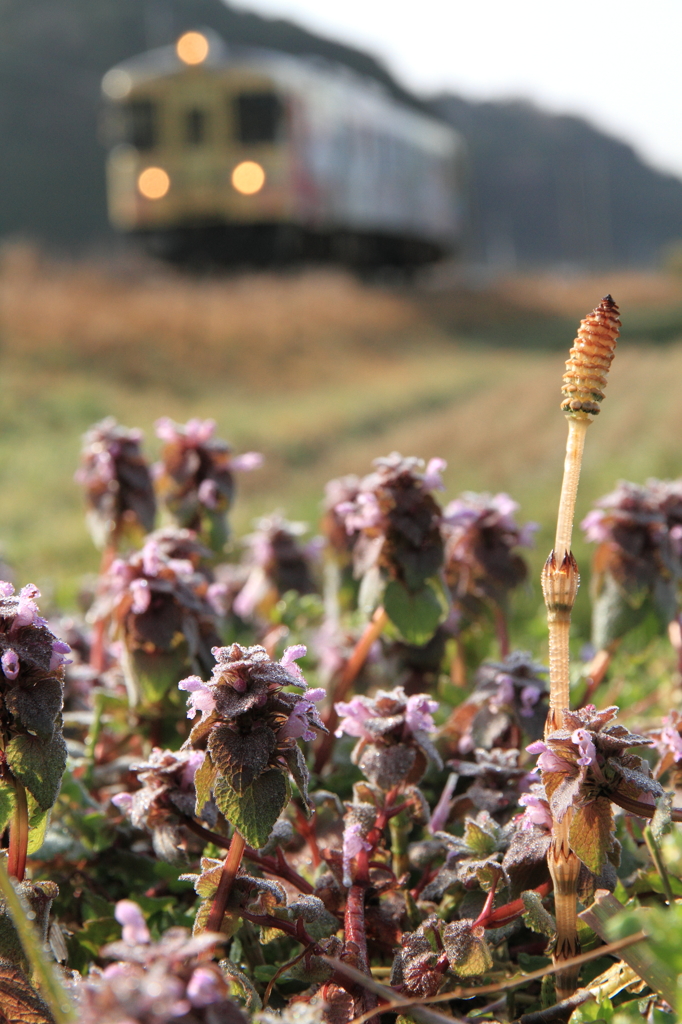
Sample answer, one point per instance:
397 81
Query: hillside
542 188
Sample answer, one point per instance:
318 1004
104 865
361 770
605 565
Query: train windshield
195 126
142 124
258 117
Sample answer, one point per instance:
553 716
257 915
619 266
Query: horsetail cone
589 361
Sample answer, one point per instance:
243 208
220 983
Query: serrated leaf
204 779
38 766
591 833
467 950
254 812
37 706
19 1002
479 840
296 764
241 757
535 915
416 615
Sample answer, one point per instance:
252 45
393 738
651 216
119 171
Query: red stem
277 867
510 911
487 906
97 647
18 836
350 671
229 873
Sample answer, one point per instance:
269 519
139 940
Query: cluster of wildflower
668 742
31 685
508 698
394 520
195 477
160 601
276 563
154 982
117 482
586 765
250 724
481 563
638 564
165 799
393 732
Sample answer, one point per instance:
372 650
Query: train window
259 116
142 127
195 126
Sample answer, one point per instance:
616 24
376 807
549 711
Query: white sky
616 62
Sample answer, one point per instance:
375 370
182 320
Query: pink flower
353 843
124 802
200 696
537 812
208 493
247 462
289 659
441 811
151 558
27 611
204 987
530 695
142 596
362 514
432 477
588 751
59 652
10 664
135 931
594 526
547 761
418 713
298 726
353 715
670 739
6 589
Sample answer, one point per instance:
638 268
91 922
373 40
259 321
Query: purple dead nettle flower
250 721
166 797
481 535
158 596
497 778
590 759
394 520
195 475
668 742
509 693
117 482
638 564
156 982
32 664
393 733
536 809
276 562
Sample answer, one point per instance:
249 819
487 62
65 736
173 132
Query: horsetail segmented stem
583 390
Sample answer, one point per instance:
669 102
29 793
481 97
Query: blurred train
240 155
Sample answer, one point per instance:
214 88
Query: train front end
199 161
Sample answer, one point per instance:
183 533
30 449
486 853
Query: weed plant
318 781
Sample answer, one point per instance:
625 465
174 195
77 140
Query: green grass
318 408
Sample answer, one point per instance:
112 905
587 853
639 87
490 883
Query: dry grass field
322 374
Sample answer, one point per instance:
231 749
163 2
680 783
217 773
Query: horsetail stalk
583 391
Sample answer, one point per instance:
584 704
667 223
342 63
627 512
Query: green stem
18 835
51 988
655 852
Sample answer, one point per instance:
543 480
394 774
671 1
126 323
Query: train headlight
153 183
192 48
248 177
